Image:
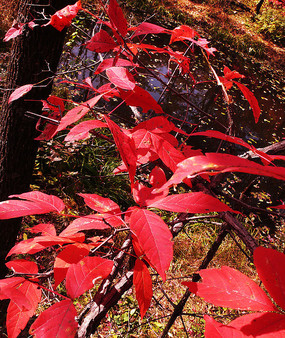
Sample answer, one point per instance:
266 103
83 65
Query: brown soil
206 15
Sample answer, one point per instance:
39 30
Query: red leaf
121 78
108 91
107 63
62 18
58 321
55 105
38 203
90 222
181 33
266 325
226 83
143 286
169 155
81 277
48 133
186 33
37 244
19 92
17 318
214 163
228 287
203 43
81 131
281 206
222 136
44 229
270 267
101 42
77 113
157 125
142 142
251 100
14 31
136 246
145 196
59 240
215 329
117 17
139 97
157 177
23 266
9 289
148 28
154 238
193 202
101 204
28 246
188 151
125 146
144 147
232 74
46 201
71 254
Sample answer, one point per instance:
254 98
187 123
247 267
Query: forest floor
232 26
238 22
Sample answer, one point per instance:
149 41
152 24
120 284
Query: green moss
271 24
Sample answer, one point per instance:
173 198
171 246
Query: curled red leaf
19 92
62 18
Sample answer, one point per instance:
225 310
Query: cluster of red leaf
77 264
17 29
72 264
151 236
227 287
227 81
62 18
116 72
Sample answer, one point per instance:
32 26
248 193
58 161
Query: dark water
268 130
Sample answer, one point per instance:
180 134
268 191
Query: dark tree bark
34 59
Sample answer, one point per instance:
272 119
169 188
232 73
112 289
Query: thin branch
250 207
211 253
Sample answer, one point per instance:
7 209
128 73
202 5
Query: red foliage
230 288
143 286
62 18
78 264
19 92
154 239
56 321
101 42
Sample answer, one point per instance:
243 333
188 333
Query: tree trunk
34 59
258 6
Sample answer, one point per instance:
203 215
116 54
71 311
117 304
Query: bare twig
211 253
